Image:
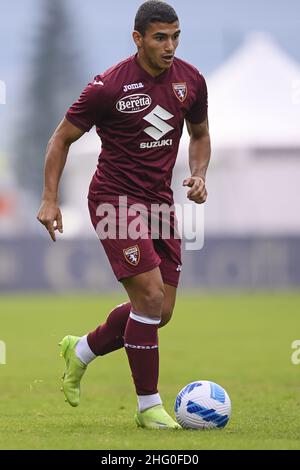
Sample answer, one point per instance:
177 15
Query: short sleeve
198 110
90 107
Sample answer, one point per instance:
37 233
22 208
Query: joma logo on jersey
134 103
133 86
159 128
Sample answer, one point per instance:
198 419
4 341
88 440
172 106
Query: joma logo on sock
135 346
2 352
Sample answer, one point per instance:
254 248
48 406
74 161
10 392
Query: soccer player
138 107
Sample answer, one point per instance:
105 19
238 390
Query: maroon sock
141 344
109 336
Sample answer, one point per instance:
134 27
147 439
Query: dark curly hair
153 11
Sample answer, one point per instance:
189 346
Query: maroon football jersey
139 119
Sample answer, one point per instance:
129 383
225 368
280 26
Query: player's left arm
199 157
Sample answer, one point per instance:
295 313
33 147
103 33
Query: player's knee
166 316
152 301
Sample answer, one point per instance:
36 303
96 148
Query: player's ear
137 37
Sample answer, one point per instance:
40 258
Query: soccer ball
202 405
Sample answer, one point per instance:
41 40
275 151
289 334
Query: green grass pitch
243 342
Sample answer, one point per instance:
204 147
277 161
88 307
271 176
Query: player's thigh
170 267
169 304
169 251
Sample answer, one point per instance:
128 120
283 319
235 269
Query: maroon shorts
131 247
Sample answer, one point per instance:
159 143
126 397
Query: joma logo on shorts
134 103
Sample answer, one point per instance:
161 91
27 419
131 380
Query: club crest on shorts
132 255
180 90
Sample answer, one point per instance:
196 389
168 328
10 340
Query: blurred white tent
252 97
254 113
81 165
253 179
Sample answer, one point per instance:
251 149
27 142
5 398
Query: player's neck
144 64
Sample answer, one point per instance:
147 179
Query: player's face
157 48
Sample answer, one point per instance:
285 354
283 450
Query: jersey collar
146 75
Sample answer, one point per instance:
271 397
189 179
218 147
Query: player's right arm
56 156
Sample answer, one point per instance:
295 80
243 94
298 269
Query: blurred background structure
250 57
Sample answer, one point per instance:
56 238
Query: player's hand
50 216
198 192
